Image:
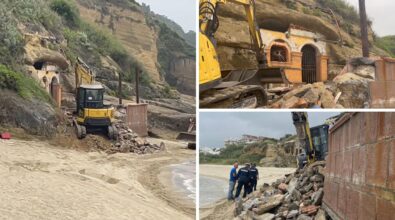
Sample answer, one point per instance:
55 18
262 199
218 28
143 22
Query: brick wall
360 170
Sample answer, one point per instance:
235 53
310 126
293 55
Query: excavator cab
91 111
319 135
90 96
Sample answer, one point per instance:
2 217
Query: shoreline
166 177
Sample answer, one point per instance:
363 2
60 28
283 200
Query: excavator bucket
273 75
188 137
255 77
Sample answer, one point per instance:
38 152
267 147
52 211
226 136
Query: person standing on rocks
254 177
244 178
232 180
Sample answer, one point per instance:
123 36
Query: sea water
211 190
184 178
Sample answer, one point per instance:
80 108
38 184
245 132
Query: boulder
368 72
292 214
283 187
272 203
304 217
34 116
320 215
327 100
309 210
266 216
354 89
317 197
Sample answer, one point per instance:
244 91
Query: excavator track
240 96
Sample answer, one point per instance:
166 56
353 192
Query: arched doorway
53 87
309 64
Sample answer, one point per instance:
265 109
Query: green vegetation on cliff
387 43
25 86
243 153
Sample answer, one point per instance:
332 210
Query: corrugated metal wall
360 170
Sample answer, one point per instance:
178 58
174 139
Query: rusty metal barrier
382 90
360 168
137 118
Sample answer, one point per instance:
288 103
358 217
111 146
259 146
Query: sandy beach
223 209
41 181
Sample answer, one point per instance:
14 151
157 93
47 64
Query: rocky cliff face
140 32
233 36
130 28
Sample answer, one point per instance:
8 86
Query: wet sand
42 181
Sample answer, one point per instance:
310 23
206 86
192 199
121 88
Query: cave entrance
309 64
39 65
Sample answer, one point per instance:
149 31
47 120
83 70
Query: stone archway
309 64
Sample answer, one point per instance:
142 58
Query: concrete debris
266 216
296 196
349 89
270 204
354 89
130 142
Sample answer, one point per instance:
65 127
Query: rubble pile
307 96
129 142
297 196
349 89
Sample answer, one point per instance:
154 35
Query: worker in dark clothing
243 177
254 177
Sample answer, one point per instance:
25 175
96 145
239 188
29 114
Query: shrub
68 11
25 86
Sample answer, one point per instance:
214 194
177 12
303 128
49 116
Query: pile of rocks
130 142
349 89
297 196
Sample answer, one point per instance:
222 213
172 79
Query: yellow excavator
234 88
314 141
91 113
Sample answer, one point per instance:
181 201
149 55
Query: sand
41 181
224 209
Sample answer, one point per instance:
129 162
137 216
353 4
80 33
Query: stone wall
360 171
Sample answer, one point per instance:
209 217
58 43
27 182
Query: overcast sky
217 127
382 12
183 12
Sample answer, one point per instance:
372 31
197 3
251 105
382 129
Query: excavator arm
83 74
301 122
209 23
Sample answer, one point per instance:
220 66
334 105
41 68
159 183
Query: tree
364 28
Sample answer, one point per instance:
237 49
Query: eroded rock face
183 76
36 117
354 89
36 50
